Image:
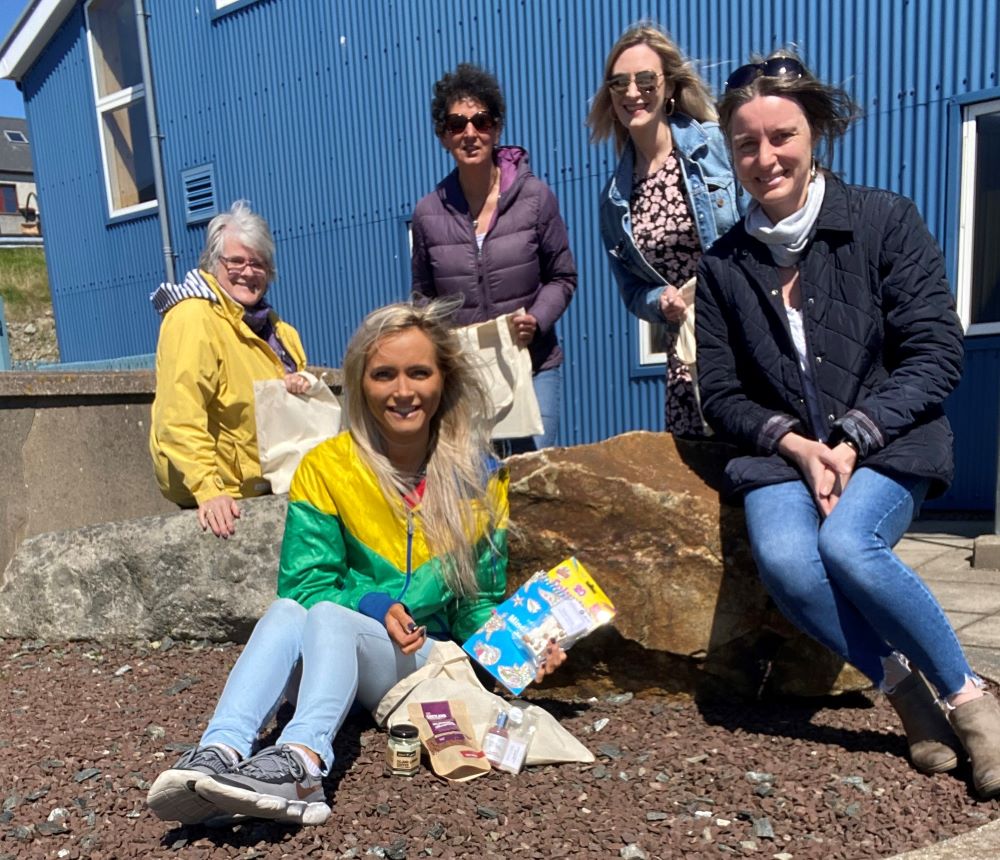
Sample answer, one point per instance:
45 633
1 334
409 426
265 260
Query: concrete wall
73 452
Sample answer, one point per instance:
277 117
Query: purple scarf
259 319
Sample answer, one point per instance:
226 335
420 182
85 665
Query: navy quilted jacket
525 261
882 335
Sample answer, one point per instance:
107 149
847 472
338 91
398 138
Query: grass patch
24 283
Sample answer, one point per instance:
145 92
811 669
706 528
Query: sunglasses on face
776 67
481 121
645 82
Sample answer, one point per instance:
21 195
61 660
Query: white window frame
19 136
966 215
106 104
647 356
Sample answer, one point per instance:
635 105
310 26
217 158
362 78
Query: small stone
852 810
621 698
122 670
22 833
697 759
600 772
397 850
784 855
487 812
722 822
662 776
383 809
60 813
37 793
11 801
632 852
748 846
756 776
85 774
180 686
762 828
609 750
52 828
601 723
765 789
859 783
655 815
437 831
177 844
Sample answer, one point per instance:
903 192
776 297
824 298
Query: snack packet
446 733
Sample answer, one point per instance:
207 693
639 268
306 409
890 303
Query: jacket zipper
409 552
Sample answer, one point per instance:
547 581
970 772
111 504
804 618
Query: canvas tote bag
448 675
505 368
685 348
289 425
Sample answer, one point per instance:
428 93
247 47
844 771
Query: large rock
145 578
643 514
640 511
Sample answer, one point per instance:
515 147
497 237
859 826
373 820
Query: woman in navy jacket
827 341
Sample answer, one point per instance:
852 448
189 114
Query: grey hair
247 227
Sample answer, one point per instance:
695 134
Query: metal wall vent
200 203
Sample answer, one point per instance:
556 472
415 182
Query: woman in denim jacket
670 197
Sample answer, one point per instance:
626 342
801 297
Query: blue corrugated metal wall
317 111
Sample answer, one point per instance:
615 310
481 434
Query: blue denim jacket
711 191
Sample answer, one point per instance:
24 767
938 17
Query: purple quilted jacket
525 259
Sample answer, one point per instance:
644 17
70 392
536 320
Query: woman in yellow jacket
217 337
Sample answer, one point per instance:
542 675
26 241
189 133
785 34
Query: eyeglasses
238 264
776 67
481 121
645 82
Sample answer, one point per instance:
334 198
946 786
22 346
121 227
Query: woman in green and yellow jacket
396 535
218 337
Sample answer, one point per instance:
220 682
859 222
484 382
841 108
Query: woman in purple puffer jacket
491 233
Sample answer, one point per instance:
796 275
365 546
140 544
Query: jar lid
404 730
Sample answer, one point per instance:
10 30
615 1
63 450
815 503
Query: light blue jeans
332 655
548 391
839 581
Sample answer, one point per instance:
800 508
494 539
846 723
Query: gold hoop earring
672 107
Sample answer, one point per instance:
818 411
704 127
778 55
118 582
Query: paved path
941 551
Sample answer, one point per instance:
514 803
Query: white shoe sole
243 801
172 798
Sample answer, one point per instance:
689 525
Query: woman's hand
219 514
296 383
552 659
826 470
672 304
524 327
403 630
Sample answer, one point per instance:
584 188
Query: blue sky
11 103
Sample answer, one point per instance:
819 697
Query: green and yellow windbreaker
344 542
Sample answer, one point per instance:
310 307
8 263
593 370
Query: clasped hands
409 638
826 470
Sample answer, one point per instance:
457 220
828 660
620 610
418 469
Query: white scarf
788 238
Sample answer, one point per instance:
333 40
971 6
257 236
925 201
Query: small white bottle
495 740
518 738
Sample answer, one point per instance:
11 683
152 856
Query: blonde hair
456 505
691 94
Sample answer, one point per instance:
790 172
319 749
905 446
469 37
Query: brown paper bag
446 733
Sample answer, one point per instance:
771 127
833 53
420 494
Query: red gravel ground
84 728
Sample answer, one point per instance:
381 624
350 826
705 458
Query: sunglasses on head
645 82
481 121
776 67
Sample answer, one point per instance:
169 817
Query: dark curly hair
466 82
829 110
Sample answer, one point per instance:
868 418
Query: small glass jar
402 752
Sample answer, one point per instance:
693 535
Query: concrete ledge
986 552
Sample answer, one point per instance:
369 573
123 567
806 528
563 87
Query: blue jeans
548 391
331 654
839 581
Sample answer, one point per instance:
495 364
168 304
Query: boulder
145 578
641 511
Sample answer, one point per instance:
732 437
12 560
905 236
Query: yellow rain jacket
203 436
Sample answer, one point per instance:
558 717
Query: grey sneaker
172 796
272 784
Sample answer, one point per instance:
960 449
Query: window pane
8 198
985 304
116 45
130 164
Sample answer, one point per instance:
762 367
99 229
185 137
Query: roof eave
29 36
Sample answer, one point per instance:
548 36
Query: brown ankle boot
977 724
933 745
